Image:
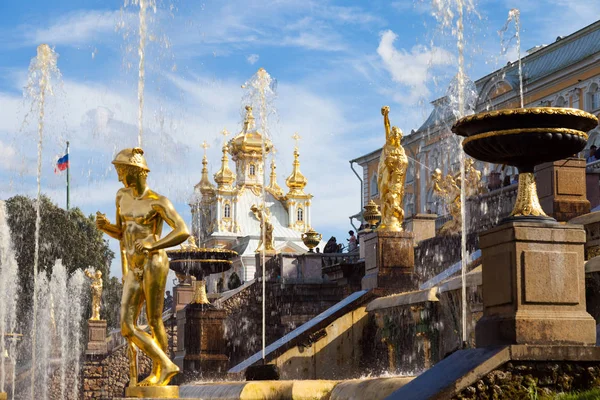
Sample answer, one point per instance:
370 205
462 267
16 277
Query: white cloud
76 28
252 59
410 69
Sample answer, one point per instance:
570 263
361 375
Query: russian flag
62 163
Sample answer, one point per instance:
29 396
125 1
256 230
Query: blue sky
336 63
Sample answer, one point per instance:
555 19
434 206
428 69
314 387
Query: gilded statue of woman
96 287
138 226
391 177
266 228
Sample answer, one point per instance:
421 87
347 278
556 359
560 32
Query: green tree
67 235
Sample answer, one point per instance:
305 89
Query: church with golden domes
221 211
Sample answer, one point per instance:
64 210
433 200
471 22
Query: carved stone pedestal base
389 262
152 392
201 341
534 286
96 337
182 296
561 188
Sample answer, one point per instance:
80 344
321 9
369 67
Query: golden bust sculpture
266 229
140 215
96 286
391 176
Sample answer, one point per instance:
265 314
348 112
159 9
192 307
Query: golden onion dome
205 186
273 187
224 177
249 140
296 181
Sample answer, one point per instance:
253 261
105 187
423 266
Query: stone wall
287 307
532 380
105 377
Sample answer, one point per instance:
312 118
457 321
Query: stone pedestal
182 296
389 262
310 267
272 266
561 188
201 341
592 187
422 225
96 337
534 286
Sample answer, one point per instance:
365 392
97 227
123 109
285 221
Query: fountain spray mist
143 36
9 287
514 15
262 91
42 71
444 13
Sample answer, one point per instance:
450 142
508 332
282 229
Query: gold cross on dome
296 137
205 146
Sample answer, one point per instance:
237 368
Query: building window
593 98
227 211
252 170
374 188
575 99
560 102
300 214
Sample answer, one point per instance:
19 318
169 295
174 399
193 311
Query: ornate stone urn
311 239
533 279
372 214
524 138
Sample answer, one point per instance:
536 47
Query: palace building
221 211
565 73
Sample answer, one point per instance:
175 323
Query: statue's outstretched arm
385 111
179 232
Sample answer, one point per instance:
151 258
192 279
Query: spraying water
143 37
513 15
261 90
9 289
445 12
43 71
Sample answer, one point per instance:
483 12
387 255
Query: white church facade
221 211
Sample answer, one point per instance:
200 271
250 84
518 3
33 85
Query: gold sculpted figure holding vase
138 226
266 228
391 176
96 287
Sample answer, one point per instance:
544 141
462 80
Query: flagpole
68 168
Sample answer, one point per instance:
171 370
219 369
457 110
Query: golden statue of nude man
138 226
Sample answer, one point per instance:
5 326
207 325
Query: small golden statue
448 188
141 213
96 287
391 176
266 229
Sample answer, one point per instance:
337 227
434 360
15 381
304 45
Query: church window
252 170
300 214
561 102
227 211
374 188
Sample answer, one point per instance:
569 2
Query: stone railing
592 167
486 210
329 259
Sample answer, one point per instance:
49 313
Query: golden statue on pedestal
391 176
138 226
266 229
96 287
448 188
